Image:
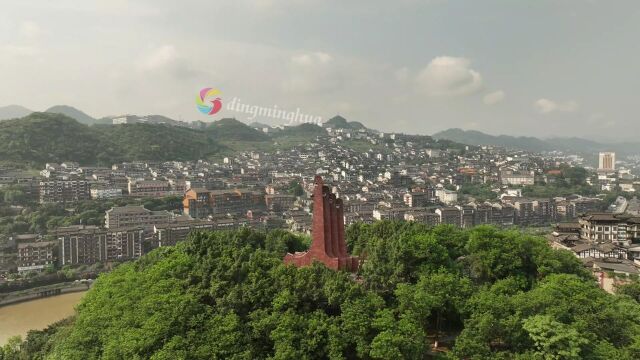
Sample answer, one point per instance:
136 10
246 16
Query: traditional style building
620 229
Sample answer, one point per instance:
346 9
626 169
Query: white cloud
160 57
30 29
449 76
546 106
402 74
494 97
312 59
16 51
312 72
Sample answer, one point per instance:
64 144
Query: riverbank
19 318
43 292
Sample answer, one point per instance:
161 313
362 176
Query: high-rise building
607 161
89 245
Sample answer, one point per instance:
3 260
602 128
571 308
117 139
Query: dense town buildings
389 177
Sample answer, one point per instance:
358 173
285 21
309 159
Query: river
18 319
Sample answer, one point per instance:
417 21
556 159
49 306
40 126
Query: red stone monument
327 244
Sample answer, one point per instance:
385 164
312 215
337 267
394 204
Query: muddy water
18 319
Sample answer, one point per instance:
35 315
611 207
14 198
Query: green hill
484 293
232 130
73 113
156 142
303 130
45 137
42 137
341 123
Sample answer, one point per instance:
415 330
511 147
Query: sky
529 67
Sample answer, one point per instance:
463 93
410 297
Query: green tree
554 340
295 188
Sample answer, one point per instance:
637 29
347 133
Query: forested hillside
47 137
41 137
227 295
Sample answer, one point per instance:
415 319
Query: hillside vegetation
41 137
45 137
339 122
227 295
233 130
156 142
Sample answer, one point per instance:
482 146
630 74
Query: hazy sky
556 67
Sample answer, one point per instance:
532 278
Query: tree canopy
484 293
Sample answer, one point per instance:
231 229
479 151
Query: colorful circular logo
202 103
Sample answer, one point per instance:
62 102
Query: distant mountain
572 144
13 112
228 129
47 137
472 137
341 123
73 113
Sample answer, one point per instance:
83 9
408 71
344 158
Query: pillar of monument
326 215
333 238
342 245
319 221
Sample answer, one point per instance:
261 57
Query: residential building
607 161
171 234
200 203
64 190
149 188
89 245
36 256
509 177
106 193
279 202
135 216
619 229
450 216
448 197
